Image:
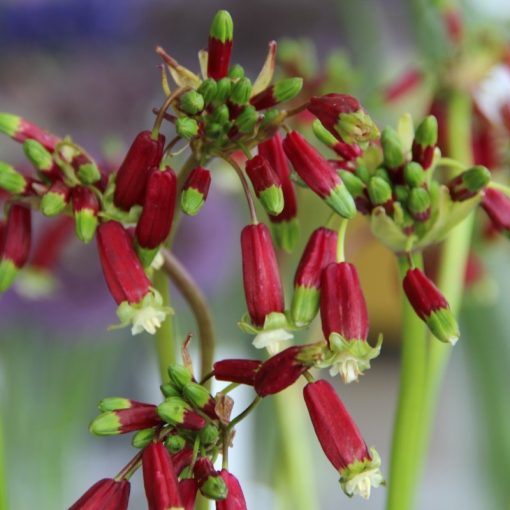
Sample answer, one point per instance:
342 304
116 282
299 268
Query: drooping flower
235 497
195 190
105 494
220 45
266 184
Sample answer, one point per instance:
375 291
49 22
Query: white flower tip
270 339
362 484
147 319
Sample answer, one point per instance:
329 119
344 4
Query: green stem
340 247
244 414
198 304
165 346
408 414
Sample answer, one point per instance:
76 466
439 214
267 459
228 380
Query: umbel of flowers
397 179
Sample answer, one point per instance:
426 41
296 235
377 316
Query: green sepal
272 199
88 173
214 488
355 186
11 180
273 331
191 102
192 201
247 119
196 394
305 305
209 434
356 127
208 89
114 404
186 128
353 478
418 202
286 234
38 155
379 191
414 174
179 375
476 178
143 437
426 132
287 89
85 222
52 203
222 27
106 424
175 444
236 72
341 201
241 91
8 272
170 390
148 315
221 114
9 123
223 89
393 150
349 358
172 410
146 255
443 325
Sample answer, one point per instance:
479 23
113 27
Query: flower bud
209 434
209 481
224 88
284 225
431 306
247 120
380 193
345 322
175 444
105 494
86 209
418 204
118 403
341 440
358 190
393 150
220 45
11 180
344 117
169 390
240 93
469 183
266 184
346 151
235 497
261 277
186 128
199 397
158 208
284 369
208 89
42 159
191 102
320 251
159 479
55 200
188 490
241 371
15 241
236 72
414 175
318 174
497 206
425 140
142 438
131 178
195 190
139 305
122 421
179 375
177 412
284 90
20 130
87 170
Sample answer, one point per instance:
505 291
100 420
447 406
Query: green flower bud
209 434
353 183
214 130
247 119
426 132
222 27
186 128
88 173
208 89
392 148
241 91
169 390
196 394
221 114
414 174
383 174
142 438
401 193
114 404
38 155
214 488
379 191
363 173
224 88
418 204
236 72
322 134
179 375
11 180
175 444
191 102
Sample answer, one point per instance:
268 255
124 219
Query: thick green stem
165 345
408 415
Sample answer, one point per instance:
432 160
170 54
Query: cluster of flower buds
178 442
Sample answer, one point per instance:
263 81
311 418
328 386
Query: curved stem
161 113
340 247
241 416
198 304
165 345
408 414
246 188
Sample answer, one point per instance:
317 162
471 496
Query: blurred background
87 68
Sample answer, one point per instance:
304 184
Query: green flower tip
52 203
114 404
287 89
305 305
341 201
272 199
9 124
192 201
86 222
214 488
222 27
286 234
426 132
8 272
106 424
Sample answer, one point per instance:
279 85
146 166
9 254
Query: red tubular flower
318 174
86 209
188 490
235 497
161 487
345 322
284 369
195 190
209 481
220 45
469 183
122 421
343 116
261 277
131 179
320 251
266 183
285 225
20 130
139 305
497 206
241 371
431 306
284 90
107 494
14 244
158 208
341 440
